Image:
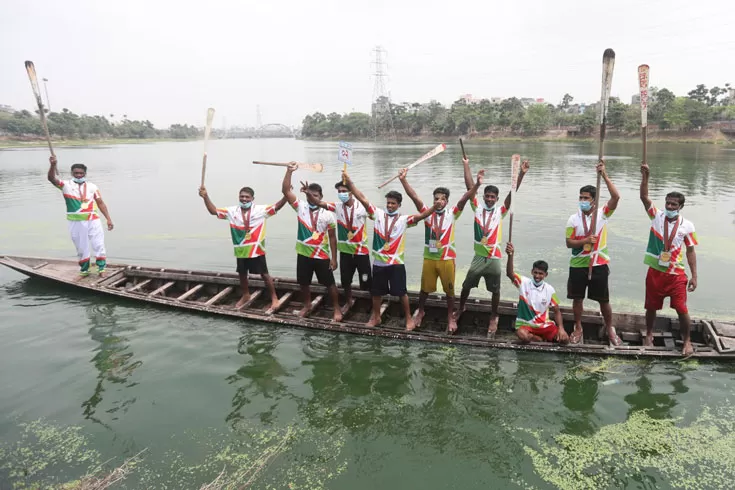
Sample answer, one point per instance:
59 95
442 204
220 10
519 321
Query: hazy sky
168 61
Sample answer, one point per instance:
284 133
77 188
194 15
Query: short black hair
491 188
340 184
395 195
590 189
677 195
249 190
315 188
79 165
441 190
541 265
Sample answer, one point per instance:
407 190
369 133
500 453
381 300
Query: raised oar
207 130
515 165
464 155
31 69
643 86
440 148
608 63
314 167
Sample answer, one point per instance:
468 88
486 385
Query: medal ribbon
246 222
349 216
486 222
436 231
388 231
314 215
83 192
669 240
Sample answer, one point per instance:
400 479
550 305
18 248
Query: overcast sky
168 61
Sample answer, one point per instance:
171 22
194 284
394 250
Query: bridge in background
270 130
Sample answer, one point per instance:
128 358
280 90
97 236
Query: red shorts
547 332
660 285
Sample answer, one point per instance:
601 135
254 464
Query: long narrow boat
217 293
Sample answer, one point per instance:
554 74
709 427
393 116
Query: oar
464 155
440 148
207 130
314 167
515 164
643 86
608 63
31 69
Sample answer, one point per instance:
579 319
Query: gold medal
314 236
386 247
665 256
248 236
587 247
350 235
484 240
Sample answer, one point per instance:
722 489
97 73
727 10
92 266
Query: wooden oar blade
608 64
31 69
515 164
643 71
210 120
314 167
439 148
461 144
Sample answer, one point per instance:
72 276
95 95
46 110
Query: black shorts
254 265
307 266
349 263
596 287
389 279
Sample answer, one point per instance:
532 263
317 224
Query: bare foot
102 273
347 306
272 308
687 350
458 313
452 327
304 312
245 298
337 318
577 336
649 340
410 325
418 316
612 338
373 322
492 327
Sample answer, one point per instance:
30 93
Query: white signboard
345 153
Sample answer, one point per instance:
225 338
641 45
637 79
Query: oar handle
388 181
644 136
464 155
204 168
274 164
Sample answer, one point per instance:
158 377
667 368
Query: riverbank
15 143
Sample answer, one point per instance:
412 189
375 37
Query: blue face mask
488 208
585 205
391 214
80 180
246 205
671 214
313 206
537 284
343 196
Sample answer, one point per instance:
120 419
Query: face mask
537 284
440 211
391 214
585 205
671 214
313 206
246 205
80 180
343 196
488 208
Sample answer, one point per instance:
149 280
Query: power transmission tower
382 116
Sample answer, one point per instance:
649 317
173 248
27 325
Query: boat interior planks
219 292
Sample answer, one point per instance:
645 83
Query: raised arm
467 173
207 201
524 168
355 191
105 212
509 269
286 185
471 191
409 190
645 173
51 176
425 214
614 194
279 204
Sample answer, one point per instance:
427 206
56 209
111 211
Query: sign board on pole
345 153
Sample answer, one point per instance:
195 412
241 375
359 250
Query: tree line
68 125
698 108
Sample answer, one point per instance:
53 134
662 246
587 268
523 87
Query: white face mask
671 214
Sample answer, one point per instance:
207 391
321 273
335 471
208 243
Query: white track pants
88 236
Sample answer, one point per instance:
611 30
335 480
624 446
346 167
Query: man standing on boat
586 245
536 298
389 241
488 236
82 201
247 228
316 242
670 238
352 241
439 248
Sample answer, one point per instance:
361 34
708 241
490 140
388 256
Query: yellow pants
438 269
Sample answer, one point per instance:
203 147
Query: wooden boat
217 293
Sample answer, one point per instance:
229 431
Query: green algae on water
697 456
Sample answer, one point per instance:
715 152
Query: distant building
635 100
469 99
6 108
529 101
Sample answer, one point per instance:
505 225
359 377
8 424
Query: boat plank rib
162 289
252 299
139 286
283 301
219 296
190 292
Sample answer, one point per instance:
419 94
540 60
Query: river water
87 380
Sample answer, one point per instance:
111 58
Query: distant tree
566 101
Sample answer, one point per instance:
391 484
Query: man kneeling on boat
535 300
389 241
316 243
247 227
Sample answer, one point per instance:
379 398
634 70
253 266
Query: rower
316 242
488 230
536 298
389 240
586 245
439 249
82 201
670 234
247 228
352 241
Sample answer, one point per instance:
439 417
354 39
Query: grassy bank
10 143
538 139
